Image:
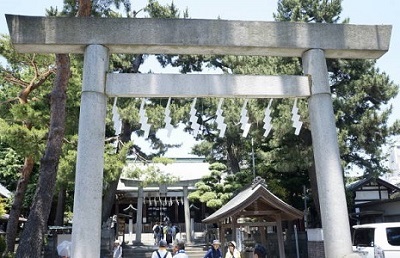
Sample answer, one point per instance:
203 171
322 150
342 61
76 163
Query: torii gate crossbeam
99 37
206 85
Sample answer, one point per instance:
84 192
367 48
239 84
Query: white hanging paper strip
193 118
143 120
244 119
267 119
116 118
168 119
220 119
296 118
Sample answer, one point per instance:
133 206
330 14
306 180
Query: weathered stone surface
207 85
191 36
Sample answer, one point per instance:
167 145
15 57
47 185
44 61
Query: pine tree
25 87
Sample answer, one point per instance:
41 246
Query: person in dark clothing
214 251
259 251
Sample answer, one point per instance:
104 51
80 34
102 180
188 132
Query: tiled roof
357 184
259 202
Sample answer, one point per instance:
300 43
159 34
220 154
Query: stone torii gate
97 38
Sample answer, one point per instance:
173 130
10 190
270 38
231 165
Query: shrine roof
255 201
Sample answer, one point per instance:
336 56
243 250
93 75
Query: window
393 236
364 237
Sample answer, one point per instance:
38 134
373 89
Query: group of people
165 232
178 250
214 252
232 252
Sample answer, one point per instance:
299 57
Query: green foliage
155 10
162 160
217 188
2 244
100 8
26 142
3 205
66 165
309 10
10 164
151 173
114 162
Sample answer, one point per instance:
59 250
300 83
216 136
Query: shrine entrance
97 38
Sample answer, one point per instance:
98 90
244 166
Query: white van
378 240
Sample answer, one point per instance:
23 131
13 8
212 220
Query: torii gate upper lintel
32 34
99 37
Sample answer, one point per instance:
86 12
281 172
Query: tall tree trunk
15 211
59 219
232 156
312 174
32 236
109 200
85 8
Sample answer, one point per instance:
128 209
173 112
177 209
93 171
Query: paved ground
144 249
147 239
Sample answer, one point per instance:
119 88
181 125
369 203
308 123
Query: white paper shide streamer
296 118
221 126
193 118
267 119
245 125
244 120
167 119
143 120
116 118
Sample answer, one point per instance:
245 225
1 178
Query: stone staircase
145 252
146 247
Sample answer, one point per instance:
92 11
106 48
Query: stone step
146 251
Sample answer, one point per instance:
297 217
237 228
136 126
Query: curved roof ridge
248 197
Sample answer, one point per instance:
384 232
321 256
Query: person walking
117 250
232 251
173 232
156 232
214 251
179 249
162 251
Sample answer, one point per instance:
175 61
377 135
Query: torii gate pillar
326 157
90 160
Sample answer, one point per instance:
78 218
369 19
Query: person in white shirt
162 251
117 250
232 251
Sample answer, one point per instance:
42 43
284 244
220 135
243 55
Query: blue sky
369 12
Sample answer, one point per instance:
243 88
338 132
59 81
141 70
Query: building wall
394 165
315 249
